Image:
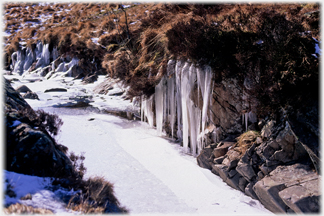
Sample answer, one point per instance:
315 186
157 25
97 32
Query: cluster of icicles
173 103
23 59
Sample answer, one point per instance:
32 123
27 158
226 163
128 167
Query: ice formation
159 106
173 103
171 95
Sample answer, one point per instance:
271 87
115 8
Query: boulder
222 149
231 159
31 95
32 152
23 89
267 129
303 197
232 178
13 99
219 160
29 150
203 158
246 170
283 177
90 78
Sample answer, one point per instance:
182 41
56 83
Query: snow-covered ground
150 174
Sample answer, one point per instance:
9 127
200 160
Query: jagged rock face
229 102
264 170
290 188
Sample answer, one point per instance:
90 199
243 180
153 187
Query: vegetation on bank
272 45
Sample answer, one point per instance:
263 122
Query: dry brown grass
212 34
24 209
97 197
245 141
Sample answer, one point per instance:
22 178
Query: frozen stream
150 174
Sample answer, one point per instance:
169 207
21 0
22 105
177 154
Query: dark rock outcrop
23 89
275 167
30 150
31 95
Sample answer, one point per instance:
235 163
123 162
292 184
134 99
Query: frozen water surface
150 174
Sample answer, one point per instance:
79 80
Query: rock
258 140
232 179
13 99
232 173
203 158
226 107
268 188
219 160
29 150
220 170
222 149
290 149
304 197
231 159
31 95
117 93
32 152
76 71
104 87
55 90
242 183
90 78
249 191
267 129
246 171
23 89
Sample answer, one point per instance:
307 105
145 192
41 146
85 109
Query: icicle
171 94
200 81
206 93
147 110
29 59
46 55
55 53
194 119
246 120
39 49
184 101
159 90
252 117
178 71
142 108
